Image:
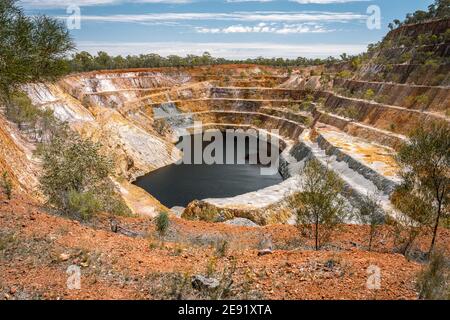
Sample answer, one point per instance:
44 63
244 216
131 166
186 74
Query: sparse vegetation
422 101
369 94
434 280
42 42
370 213
82 204
319 207
161 126
424 161
345 74
222 247
75 171
162 224
412 224
349 112
7 185
439 9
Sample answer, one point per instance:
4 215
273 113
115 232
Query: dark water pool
179 184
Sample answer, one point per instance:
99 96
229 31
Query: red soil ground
37 247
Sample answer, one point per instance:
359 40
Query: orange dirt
36 248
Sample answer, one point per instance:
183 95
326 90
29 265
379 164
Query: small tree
409 226
162 224
21 111
7 185
370 213
76 175
71 164
422 101
424 163
83 204
434 281
369 94
319 205
32 48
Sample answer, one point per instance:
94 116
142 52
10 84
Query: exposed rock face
435 27
139 114
241 222
16 158
220 210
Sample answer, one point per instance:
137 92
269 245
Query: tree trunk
433 241
317 233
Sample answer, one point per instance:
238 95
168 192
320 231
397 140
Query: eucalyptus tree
425 163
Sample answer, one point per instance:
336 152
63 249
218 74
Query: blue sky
227 28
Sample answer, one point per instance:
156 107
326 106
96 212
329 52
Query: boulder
264 252
243 222
202 283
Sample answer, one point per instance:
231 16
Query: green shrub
422 101
392 127
7 185
161 126
75 168
356 63
345 74
222 248
257 123
369 212
432 63
84 205
424 161
407 56
434 281
321 101
319 208
351 112
71 163
20 110
369 94
162 223
382 99
409 101
438 79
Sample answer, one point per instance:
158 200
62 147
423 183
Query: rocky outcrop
407 96
16 158
413 30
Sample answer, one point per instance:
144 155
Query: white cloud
269 16
235 1
267 28
235 50
82 3
302 1
326 1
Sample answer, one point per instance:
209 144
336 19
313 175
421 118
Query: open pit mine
140 115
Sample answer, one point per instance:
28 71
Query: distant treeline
83 61
438 10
